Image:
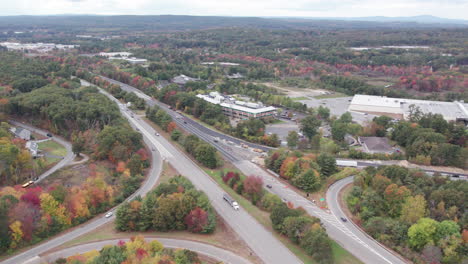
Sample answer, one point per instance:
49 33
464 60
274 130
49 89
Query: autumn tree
253 188
413 209
196 220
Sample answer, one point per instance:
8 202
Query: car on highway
231 201
109 214
137 129
153 149
185 122
284 200
49 134
344 219
157 134
269 186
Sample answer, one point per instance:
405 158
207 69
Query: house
181 80
235 76
21 133
375 145
33 148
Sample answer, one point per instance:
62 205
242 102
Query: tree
253 187
317 244
196 220
135 165
176 134
206 155
309 126
323 112
293 139
447 228
16 234
308 181
295 227
78 144
346 118
422 233
413 209
279 213
327 164
338 130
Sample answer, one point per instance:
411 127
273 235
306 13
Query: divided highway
260 240
355 241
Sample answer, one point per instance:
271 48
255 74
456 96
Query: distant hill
425 19
84 23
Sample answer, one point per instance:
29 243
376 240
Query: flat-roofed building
399 108
239 109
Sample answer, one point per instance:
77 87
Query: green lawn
300 98
341 256
53 148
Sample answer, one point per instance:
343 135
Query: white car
109 214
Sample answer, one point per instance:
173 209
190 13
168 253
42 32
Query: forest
421 217
91 122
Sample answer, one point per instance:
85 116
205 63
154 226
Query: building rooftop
449 110
375 144
183 79
216 98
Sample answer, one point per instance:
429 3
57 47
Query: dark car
344 219
49 134
185 122
269 186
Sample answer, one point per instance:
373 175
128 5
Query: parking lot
282 129
339 106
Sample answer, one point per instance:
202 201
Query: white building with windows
239 109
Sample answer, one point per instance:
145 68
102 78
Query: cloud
303 8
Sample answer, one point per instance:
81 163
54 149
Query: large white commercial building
400 108
239 109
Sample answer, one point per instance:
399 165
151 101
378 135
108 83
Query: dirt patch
77 174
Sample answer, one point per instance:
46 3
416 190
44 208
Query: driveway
68 146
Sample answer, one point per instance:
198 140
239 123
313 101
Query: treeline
307 172
175 205
114 89
29 215
430 140
300 228
422 217
137 250
199 149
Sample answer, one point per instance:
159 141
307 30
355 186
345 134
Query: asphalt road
356 241
66 160
153 175
203 249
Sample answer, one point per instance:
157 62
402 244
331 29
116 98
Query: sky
456 9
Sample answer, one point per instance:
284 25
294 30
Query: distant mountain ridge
427 19
82 23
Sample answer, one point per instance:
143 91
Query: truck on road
346 163
231 201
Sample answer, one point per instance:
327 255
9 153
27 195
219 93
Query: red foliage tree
196 220
253 186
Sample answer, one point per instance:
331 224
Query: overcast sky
298 8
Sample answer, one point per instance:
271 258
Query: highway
211 251
63 162
260 240
355 241
203 129
153 175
